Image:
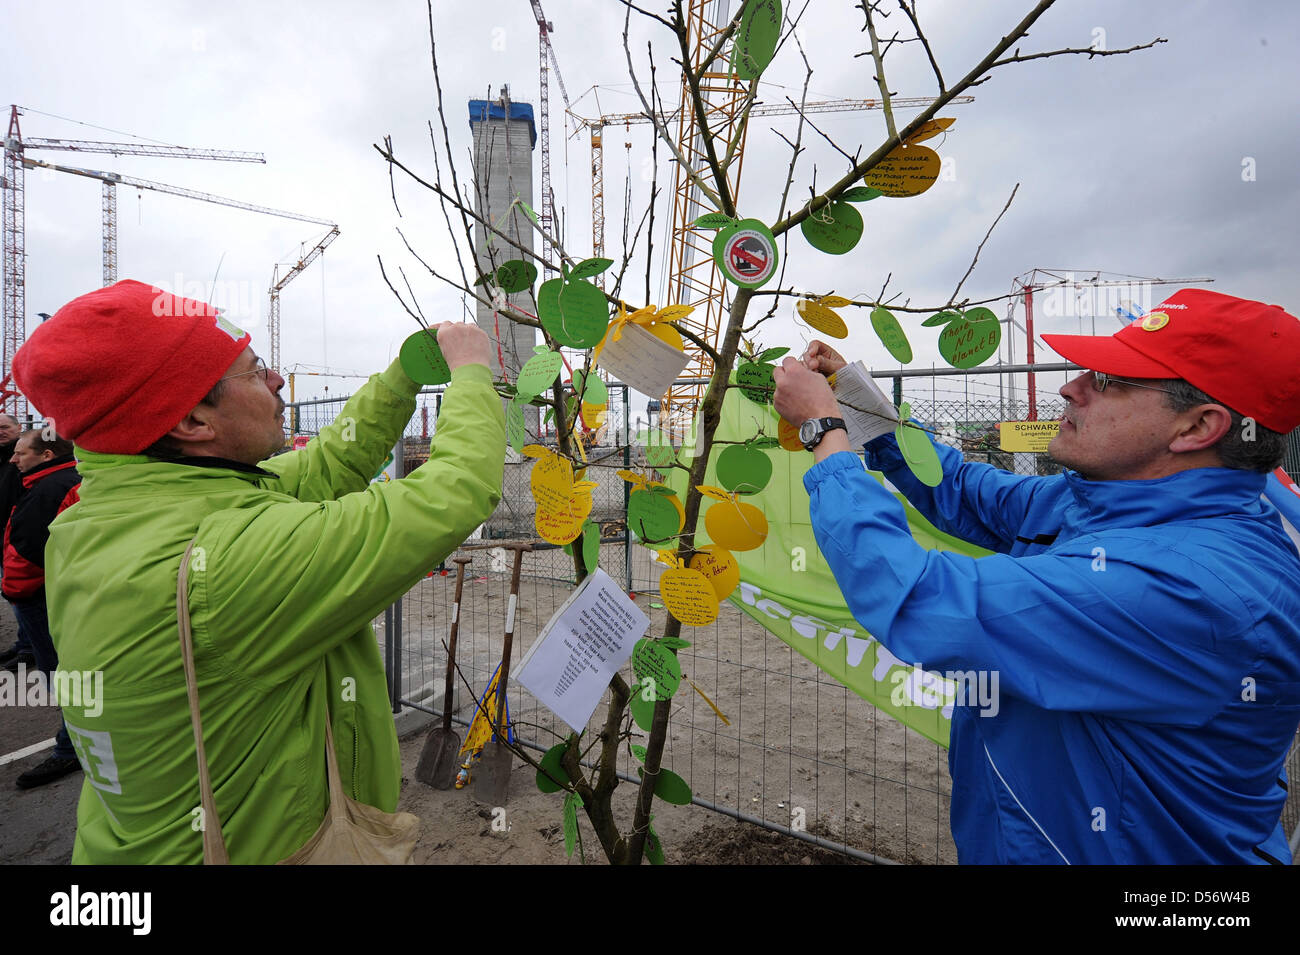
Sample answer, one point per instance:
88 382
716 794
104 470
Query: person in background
50 481
11 486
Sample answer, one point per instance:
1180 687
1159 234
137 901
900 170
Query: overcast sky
1177 161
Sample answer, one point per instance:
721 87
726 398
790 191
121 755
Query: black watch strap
824 425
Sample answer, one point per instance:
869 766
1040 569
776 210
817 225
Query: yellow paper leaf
717 493
535 451
833 301
822 318
929 130
689 597
719 567
905 171
736 525
672 313
668 557
788 436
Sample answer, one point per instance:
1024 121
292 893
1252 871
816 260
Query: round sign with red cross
746 253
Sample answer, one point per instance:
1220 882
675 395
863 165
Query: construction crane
596 128
544 52
1039 280
14 241
278 283
693 277
115 178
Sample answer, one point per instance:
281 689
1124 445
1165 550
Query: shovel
492 782
438 761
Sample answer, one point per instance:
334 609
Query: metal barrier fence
799 753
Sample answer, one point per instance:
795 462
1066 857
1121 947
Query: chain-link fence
794 750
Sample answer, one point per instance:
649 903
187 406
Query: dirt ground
798 750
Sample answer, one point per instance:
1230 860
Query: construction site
731 182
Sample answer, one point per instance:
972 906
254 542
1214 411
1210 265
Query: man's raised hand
802 394
464 343
823 359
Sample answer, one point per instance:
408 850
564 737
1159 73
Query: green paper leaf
659 452
654 849
651 660
712 220
572 802
481 279
516 275
516 431
528 211
834 229
591 545
551 764
672 788
756 38
638 751
965 344
918 452
941 318
422 359
550 413
771 354
765 443
538 374
756 382
643 710
674 643
548 302
743 469
583 316
593 389
588 268
651 517
891 334
860 194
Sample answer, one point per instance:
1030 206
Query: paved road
36 825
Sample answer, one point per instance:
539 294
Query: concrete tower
504 137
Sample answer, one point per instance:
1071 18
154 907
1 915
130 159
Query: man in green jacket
174 418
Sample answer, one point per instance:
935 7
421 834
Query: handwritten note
906 171
657 669
643 362
689 597
581 647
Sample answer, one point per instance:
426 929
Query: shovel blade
439 760
492 778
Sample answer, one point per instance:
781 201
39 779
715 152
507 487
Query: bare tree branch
952 298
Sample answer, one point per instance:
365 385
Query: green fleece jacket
292 561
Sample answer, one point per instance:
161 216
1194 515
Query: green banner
787 586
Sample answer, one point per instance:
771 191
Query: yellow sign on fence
1032 436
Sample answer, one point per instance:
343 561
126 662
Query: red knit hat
118 368
1245 354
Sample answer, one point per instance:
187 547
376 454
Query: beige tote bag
352 833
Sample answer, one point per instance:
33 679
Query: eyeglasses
260 371
1100 380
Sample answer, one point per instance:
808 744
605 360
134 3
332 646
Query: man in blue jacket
1141 610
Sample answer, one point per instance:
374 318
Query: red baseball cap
114 370
1244 354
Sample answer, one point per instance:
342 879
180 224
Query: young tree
897 166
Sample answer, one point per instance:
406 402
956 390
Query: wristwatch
812 430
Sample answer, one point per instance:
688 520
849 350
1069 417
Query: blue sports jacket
1146 637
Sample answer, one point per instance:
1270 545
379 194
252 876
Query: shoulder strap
214 844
